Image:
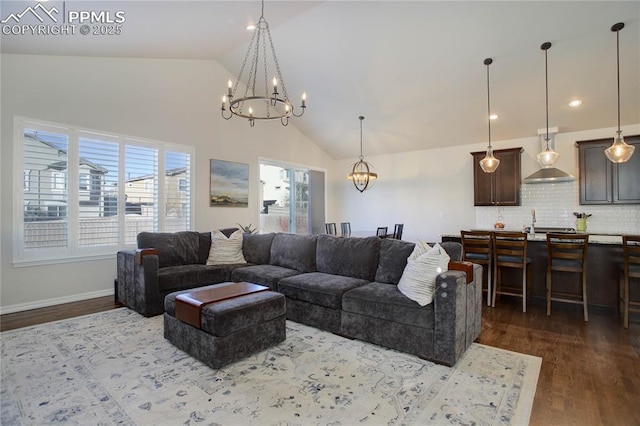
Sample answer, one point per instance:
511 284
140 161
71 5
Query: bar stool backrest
631 252
476 245
345 228
397 231
567 252
510 249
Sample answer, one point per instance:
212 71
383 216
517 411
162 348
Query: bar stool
477 247
567 253
631 254
510 251
345 228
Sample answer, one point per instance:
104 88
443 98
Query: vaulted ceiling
414 69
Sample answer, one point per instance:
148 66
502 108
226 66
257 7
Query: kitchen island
604 257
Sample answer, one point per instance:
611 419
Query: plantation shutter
97 191
45 220
177 189
141 190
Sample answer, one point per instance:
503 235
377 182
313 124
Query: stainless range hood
550 174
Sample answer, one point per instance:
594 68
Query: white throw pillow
225 251
418 281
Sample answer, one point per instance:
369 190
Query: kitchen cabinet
502 187
604 182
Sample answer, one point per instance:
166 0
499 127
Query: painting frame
228 184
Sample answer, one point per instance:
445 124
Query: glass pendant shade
548 157
620 151
489 163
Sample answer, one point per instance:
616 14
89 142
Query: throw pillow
225 251
418 281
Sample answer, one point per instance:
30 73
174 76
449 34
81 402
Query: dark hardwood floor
590 371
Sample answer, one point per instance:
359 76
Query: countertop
594 236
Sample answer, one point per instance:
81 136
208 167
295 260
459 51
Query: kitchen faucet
533 222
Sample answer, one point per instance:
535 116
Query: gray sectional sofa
344 285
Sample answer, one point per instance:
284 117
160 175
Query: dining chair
345 229
631 269
397 231
330 228
510 251
567 253
477 247
382 232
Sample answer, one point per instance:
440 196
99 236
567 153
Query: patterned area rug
115 367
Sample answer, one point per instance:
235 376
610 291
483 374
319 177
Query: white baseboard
55 301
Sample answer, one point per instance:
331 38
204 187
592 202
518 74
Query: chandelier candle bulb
230 87
224 102
304 99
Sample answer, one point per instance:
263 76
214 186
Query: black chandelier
362 173
254 103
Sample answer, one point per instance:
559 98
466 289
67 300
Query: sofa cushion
267 275
453 249
204 239
384 301
393 259
349 257
174 248
179 277
319 288
294 252
225 250
257 248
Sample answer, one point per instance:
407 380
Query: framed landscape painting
229 184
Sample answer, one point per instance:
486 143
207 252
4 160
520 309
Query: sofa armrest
138 286
458 313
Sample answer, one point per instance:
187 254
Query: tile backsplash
554 204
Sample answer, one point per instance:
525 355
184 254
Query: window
289 202
88 193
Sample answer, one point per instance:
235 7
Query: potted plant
248 229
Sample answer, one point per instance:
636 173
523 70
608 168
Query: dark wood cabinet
604 182
502 187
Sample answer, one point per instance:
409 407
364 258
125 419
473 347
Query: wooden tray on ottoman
189 305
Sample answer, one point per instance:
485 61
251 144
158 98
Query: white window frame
72 253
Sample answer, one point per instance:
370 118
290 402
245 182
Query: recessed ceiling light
493 117
251 27
575 103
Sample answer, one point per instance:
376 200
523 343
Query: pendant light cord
546 46
487 63
361 118
546 96
618 71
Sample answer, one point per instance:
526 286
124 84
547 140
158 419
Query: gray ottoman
230 329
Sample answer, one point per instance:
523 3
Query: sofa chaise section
441 331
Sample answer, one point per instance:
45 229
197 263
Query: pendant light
362 173
489 163
548 157
619 152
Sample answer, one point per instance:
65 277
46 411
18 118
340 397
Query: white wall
175 101
431 191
